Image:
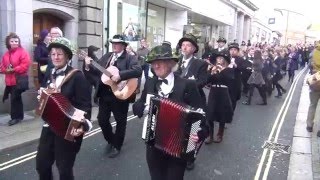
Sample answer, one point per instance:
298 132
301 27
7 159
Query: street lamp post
287 24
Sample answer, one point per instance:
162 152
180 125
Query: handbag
22 81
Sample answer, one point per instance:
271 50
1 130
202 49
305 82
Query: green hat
191 38
64 44
161 53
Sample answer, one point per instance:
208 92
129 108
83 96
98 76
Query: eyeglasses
59 55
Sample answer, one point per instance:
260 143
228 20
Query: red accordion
169 125
57 111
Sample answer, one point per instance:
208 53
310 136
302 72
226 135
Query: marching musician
166 84
221 95
236 63
192 68
128 68
76 89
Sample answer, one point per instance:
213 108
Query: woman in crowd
41 54
15 64
292 63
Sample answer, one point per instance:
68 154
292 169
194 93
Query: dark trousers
55 149
291 75
280 89
120 111
262 92
164 167
16 102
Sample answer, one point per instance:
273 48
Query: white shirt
59 79
167 88
185 62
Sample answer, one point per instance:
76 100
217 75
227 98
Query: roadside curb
302 151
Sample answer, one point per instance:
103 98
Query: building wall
175 21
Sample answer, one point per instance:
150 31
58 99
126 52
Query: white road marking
32 155
275 127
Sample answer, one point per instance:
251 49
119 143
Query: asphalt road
237 157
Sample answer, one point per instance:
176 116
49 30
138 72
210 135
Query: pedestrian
256 79
142 53
247 70
314 95
221 95
293 62
55 32
15 64
41 54
53 148
166 84
129 68
192 68
277 76
267 71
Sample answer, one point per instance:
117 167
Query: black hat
234 45
226 56
191 38
221 39
118 39
166 43
161 53
64 44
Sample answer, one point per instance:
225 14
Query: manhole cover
276 147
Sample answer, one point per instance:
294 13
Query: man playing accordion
174 88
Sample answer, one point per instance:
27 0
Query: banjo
123 89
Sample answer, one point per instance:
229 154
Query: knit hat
64 44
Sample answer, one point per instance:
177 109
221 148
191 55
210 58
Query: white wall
175 20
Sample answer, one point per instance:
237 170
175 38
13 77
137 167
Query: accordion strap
67 77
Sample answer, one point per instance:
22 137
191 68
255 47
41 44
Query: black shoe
109 148
114 153
318 133
190 166
310 129
278 96
262 104
284 91
14 121
246 103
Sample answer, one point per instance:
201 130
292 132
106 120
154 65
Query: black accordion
169 125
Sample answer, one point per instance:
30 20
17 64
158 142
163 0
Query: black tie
162 81
55 74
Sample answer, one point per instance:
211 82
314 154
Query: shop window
156 25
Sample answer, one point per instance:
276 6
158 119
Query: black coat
238 77
198 70
220 99
128 67
184 91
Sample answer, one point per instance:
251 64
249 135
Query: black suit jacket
184 91
197 70
78 91
128 67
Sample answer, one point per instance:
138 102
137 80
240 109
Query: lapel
177 88
190 67
121 58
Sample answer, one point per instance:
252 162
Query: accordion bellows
169 125
57 111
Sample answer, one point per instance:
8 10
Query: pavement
304 158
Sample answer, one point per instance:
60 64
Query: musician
167 84
221 46
236 62
221 95
53 148
128 68
192 68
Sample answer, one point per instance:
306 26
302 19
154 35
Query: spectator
15 64
41 55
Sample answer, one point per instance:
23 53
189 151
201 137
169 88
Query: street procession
116 94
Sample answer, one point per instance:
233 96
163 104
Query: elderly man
168 85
